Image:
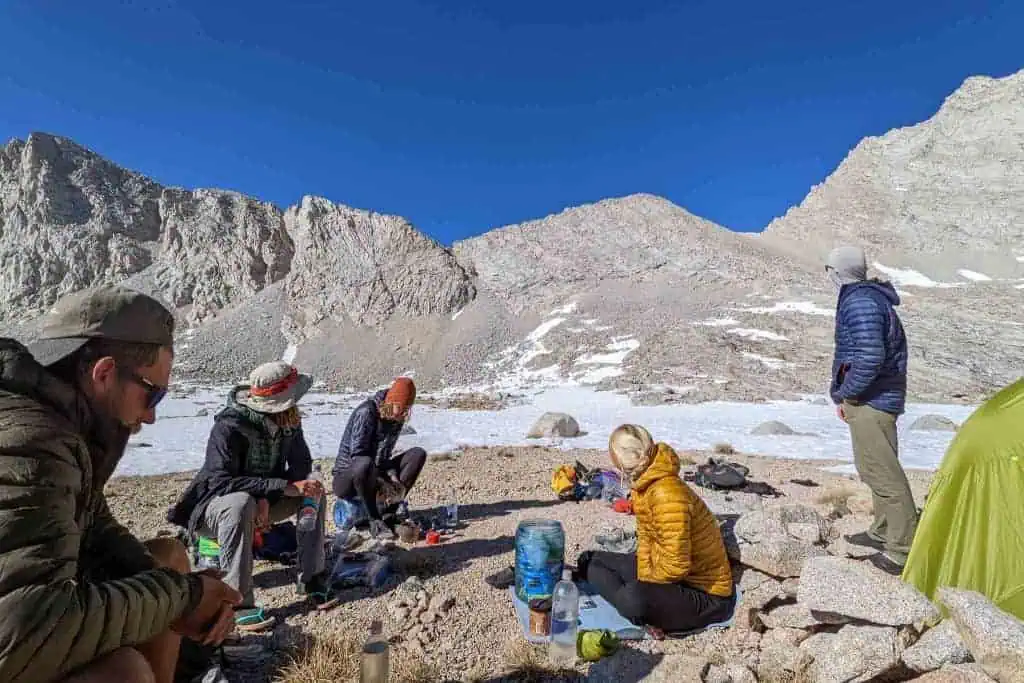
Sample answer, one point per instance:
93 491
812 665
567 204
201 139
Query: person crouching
679 579
366 467
257 473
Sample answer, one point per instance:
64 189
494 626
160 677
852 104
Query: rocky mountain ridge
634 293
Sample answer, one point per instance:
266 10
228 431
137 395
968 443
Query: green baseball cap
105 312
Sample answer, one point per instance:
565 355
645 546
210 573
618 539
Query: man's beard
111 408
112 435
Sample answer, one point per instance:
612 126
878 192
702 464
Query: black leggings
360 479
669 606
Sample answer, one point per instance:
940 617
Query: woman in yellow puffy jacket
680 578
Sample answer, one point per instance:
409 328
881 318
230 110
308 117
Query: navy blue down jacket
870 364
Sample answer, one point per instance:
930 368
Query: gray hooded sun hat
274 387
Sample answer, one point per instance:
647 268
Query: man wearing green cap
81 599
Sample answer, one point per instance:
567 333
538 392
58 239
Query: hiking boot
886 564
399 511
865 539
318 590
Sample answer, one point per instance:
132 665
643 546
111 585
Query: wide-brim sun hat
274 387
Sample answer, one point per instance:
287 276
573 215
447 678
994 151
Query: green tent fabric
971 533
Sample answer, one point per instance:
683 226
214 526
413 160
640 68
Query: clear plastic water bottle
375 665
565 612
451 512
310 506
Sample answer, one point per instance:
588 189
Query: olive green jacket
59 544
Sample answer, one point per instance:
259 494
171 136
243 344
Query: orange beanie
402 392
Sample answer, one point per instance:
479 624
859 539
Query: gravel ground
477 638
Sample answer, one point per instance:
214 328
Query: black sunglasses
154 394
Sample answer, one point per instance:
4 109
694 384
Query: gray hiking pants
231 520
875 455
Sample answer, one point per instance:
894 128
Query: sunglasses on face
154 393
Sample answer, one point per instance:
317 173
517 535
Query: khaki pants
231 519
875 455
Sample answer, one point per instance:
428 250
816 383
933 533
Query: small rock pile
418 613
813 614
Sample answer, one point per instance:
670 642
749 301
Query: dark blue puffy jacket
870 364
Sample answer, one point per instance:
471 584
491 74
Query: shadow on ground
625 666
424 561
273 575
499 508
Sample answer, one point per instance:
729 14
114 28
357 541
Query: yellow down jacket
678 539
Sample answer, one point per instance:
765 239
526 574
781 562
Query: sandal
655 633
252 619
319 592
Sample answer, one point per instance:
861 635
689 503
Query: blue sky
464 116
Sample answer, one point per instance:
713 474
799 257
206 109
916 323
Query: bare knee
170 553
124 664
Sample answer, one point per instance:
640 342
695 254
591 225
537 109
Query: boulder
805 531
730 673
788 519
758 590
772 428
784 636
861 591
554 425
938 647
780 661
934 423
960 673
994 637
855 654
778 539
799 617
781 556
790 587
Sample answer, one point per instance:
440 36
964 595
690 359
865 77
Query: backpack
563 482
718 474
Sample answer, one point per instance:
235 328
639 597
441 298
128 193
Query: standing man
257 472
82 599
366 464
869 388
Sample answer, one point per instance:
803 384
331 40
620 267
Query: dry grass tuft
336 658
724 448
325 660
527 663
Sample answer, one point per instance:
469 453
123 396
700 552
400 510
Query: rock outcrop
632 293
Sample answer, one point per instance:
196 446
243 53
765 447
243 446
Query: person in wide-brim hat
258 471
274 388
